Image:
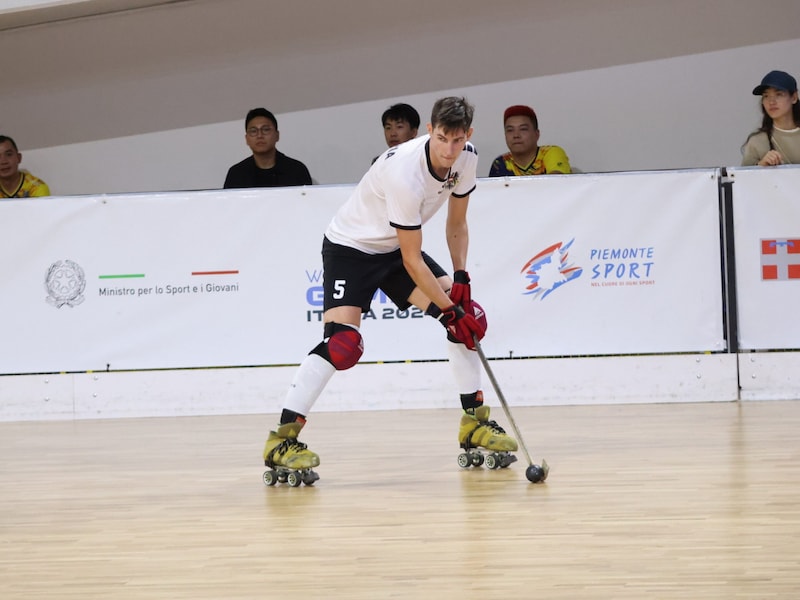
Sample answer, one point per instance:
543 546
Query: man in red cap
526 156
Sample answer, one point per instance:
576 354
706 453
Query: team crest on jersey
451 181
65 283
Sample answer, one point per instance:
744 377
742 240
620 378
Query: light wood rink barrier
659 501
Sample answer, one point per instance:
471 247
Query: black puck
535 473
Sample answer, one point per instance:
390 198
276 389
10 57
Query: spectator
16 183
400 124
267 167
777 142
526 156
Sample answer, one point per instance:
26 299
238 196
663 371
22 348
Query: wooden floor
646 501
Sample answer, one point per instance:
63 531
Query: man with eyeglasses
267 167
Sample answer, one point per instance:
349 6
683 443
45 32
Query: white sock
310 379
466 367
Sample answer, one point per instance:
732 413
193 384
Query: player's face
397 132
446 146
521 137
261 135
9 160
778 103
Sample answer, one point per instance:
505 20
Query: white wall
690 111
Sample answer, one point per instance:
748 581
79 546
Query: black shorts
351 277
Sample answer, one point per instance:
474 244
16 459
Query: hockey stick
534 473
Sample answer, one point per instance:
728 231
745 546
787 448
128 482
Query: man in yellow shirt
526 156
13 182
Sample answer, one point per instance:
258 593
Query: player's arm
460 325
458 241
411 250
457 231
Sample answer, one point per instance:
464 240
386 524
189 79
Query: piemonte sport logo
65 283
549 270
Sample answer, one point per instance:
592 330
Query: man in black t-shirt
267 167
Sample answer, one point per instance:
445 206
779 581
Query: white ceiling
92 69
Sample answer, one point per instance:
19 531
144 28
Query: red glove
461 293
461 326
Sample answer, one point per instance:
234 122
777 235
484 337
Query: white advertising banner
598 264
563 265
766 212
161 280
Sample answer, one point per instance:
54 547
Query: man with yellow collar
525 155
15 183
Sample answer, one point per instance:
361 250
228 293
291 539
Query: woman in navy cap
777 142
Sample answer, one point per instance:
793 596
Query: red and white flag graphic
780 259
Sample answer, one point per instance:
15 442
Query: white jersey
400 190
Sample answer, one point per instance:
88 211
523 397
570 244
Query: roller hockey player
375 242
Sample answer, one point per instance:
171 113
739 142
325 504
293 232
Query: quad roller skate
287 460
478 433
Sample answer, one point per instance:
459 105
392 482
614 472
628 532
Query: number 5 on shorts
338 289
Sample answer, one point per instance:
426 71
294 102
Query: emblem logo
451 181
65 283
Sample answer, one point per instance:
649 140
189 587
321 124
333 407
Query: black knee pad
342 346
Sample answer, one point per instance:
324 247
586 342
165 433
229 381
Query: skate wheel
477 459
310 477
270 477
491 461
294 479
282 476
464 460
